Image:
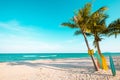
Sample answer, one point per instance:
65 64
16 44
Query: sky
34 26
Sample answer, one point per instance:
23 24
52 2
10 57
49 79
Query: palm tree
80 21
97 26
114 28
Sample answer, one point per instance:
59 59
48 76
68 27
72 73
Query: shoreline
58 69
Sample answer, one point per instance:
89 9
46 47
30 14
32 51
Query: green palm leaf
68 24
114 28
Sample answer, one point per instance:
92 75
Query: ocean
13 57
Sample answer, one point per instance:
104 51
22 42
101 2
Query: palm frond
99 13
102 9
78 32
88 34
87 9
68 24
114 28
114 33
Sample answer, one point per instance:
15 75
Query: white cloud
72 40
13 28
12 25
21 45
20 38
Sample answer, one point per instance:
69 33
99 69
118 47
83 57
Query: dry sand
60 69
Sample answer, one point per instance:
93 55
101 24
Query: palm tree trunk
97 39
98 48
96 67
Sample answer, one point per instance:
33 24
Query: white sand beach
60 69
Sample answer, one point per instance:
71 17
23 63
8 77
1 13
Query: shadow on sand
63 66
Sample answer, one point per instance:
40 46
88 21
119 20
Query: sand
60 69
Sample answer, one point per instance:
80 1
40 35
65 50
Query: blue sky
35 26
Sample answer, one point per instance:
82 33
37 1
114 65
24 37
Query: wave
48 56
29 56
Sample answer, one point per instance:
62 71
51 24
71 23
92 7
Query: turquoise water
37 56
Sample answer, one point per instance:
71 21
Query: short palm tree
80 21
112 29
97 26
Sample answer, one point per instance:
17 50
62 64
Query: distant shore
58 69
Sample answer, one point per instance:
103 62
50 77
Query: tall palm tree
80 21
114 28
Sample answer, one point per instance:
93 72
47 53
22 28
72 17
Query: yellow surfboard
104 63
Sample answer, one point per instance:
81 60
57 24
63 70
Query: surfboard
99 60
104 63
112 66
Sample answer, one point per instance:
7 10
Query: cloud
20 38
22 45
12 25
75 39
71 41
15 27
